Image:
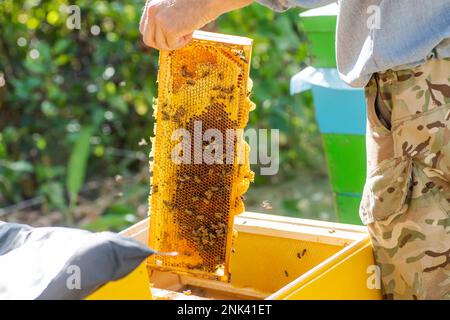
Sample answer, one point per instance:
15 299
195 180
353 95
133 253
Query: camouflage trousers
406 199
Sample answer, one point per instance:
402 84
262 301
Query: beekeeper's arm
169 24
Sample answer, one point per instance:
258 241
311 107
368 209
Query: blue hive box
341 116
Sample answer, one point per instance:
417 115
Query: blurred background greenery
76 114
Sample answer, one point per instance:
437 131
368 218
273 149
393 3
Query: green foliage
59 81
116 218
76 169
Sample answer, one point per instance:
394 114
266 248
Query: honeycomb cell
203 89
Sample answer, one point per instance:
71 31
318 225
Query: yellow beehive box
273 257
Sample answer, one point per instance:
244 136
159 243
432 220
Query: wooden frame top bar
223 38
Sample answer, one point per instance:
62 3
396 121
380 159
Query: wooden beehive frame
192 206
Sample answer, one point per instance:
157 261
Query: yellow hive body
193 204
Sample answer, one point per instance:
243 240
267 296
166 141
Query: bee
221 76
143 142
206 201
176 118
165 115
155 188
243 58
205 74
218 215
184 72
168 204
190 82
187 253
181 111
286 273
209 194
200 217
266 205
227 90
197 179
195 198
189 212
219 231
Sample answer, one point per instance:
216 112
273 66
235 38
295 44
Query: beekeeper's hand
169 24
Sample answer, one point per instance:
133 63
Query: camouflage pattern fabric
406 200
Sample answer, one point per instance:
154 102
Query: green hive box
347 207
346 160
320 27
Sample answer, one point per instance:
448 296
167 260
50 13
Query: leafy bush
63 87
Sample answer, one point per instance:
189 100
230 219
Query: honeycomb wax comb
200 170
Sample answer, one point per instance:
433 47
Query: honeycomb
193 202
